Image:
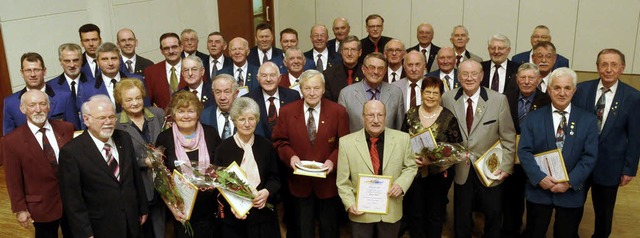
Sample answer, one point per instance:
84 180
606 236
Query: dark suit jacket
263 152
61 104
433 53
523 57
100 87
290 138
200 55
96 203
286 96
276 56
60 84
308 64
398 77
157 84
331 45
456 83
141 64
511 70
228 63
579 154
368 46
333 58
540 100
251 81
86 69
32 182
206 96
336 79
619 140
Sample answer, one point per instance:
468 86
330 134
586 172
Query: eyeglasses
374 68
397 51
168 48
189 70
474 74
541 56
372 116
30 71
542 37
103 118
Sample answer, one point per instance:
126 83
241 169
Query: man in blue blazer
619 140
265 49
540 33
320 51
194 74
243 71
341 30
90 39
446 68
575 132
62 105
72 80
225 91
289 39
216 45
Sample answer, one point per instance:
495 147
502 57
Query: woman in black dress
256 157
192 145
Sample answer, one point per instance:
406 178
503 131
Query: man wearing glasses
164 78
375 41
540 33
499 72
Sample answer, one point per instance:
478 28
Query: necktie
111 161
129 66
393 77
449 82
560 130
349 76
424 52
214 69
319 63
495 82
113 84
602 101
226 131
469 115
542 86
311 126
338 44
523 109
376 47
458 59
96 69
373 93
264 56
240 78
272 115
412 100
73 89
50 155
195 92
375 157
174 80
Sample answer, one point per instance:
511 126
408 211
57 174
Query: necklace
426 116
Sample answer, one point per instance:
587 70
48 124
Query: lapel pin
573 124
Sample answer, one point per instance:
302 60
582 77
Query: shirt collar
34 129
266 96
612 88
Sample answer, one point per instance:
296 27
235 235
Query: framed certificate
238 203
552 164
187 191
422 140
488 163
372 193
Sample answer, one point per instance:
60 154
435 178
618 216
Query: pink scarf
248 163
197 143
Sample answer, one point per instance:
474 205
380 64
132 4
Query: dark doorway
238 18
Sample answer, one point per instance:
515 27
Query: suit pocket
33 198
489 122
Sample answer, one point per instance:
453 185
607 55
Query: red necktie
375 157
469 115
349 76
376 48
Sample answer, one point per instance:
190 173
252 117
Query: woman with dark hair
427 197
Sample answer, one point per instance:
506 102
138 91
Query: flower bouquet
443 156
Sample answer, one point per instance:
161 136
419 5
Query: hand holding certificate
552 164
372 194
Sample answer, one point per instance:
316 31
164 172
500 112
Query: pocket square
489 122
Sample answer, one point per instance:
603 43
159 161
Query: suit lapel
569 135
363 150
550 129
123 161
93 154
59 134
460 112
389 147
613 112
479 112
360 94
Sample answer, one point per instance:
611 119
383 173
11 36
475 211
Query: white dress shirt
178 67
220 120
325 57
276 101
51 137
261 54
502 74
100 145
109 85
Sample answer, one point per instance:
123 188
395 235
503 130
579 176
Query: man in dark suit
193 74
102 189
459 39
541 33
375 41
164 78
499 72
527 97
394 51
446 69
31 177
264 51
320 55
72 80
575 132
288 39
294 61
216 62
189 40
411 85
62 105
225 90
426 47
341 30
544 55
243 71
312 196
617 106
90 40
346 73
131 62
484 119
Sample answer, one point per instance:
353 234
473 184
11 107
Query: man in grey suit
354 96
484 119
414 62
459 39
131 62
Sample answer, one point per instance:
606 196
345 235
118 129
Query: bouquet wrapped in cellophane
443 156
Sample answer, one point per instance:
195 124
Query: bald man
425 46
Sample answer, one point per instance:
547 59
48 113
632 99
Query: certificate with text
423 139
187 191
372 193
552 164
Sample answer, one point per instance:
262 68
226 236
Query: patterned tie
240 78
111 161
173 81
73 89
49 153
560 130
424 52
393 77
264 56
523 109
320 63
412 100
311 126
449 82
458 59
469 114
375 157
272 115
226 131
214 69
129 66
602 101
349 76
495 82
373 93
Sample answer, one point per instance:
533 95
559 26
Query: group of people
351 104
